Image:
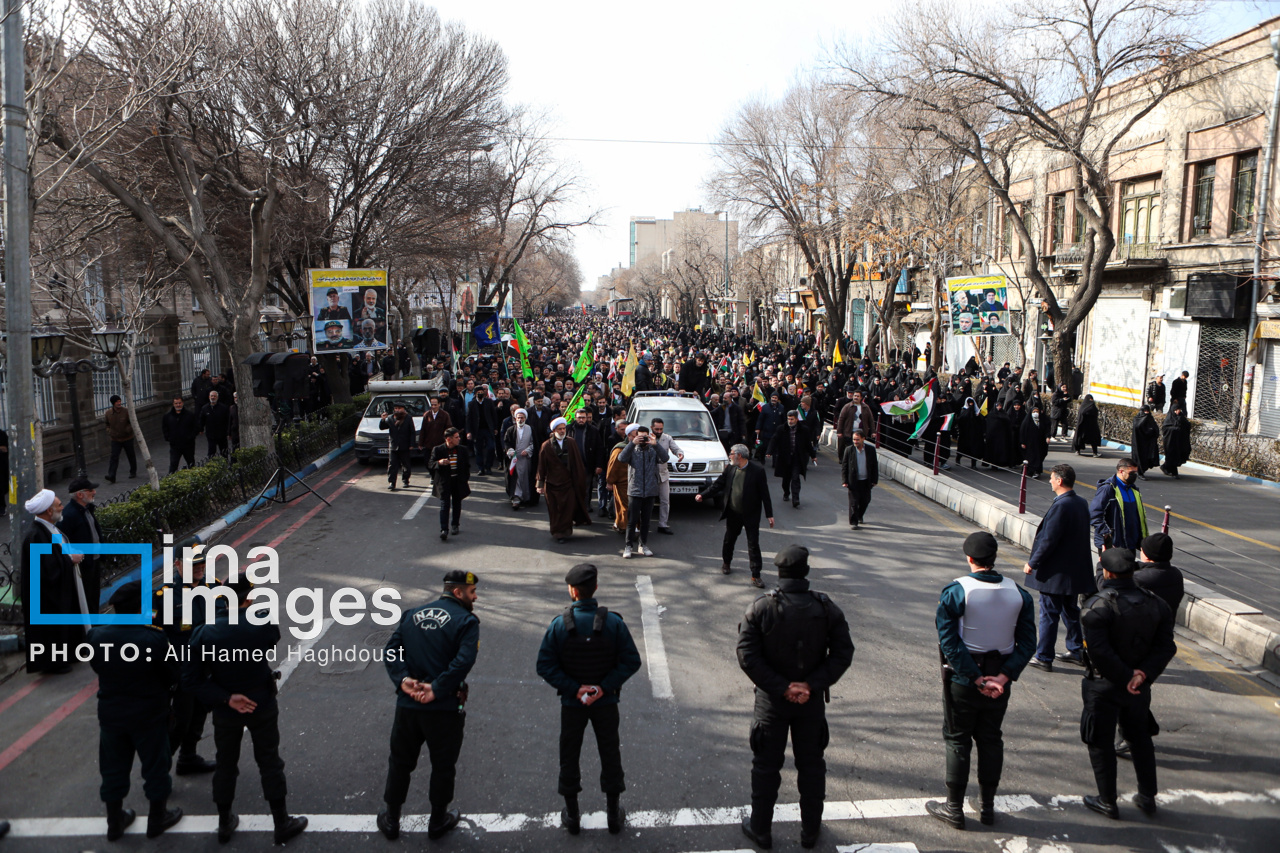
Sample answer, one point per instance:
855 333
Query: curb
1200 466
1237 626
205 534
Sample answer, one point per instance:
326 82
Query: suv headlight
716 467
361 438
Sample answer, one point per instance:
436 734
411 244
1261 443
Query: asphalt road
686 757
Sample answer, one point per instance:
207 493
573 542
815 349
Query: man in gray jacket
668 444
644 457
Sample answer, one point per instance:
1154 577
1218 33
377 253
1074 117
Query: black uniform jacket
437 643
228 659
803 640
133 694
402 432
1137 637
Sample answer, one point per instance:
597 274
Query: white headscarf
41 502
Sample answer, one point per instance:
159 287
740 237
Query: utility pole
19 384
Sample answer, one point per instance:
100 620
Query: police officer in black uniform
133 712
794 644
986 635
1128 641
400 440
428 658
188 715
587 654
242 695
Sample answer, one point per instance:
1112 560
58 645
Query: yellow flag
757 395
983 410
629 372
836 357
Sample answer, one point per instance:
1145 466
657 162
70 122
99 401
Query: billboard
348 310
979 305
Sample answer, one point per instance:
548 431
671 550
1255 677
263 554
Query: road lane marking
311 513
417 506
1255 690
19 693
655 651
50 827
42 728
894 847
291 661
256 528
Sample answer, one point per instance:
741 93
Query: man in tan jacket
120 431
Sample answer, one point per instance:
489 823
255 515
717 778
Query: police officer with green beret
587 654
428 658
230 674
793 644
986 635
1128 641
133 713
188 714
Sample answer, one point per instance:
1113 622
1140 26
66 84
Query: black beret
981 546
458 576
127 597
792 562
583 574
1119 561
1159 547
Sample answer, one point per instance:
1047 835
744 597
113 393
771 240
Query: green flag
522 344
585 361
574 404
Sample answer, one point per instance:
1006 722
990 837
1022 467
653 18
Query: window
1059 220
1007 246
1029 221
1242 192
1081 222
1140 219
1202 200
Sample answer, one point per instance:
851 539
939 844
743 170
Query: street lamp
281 330
46 358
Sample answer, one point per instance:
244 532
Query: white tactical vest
990 614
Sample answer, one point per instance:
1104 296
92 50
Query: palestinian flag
946 422
919 404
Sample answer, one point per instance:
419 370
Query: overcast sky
661 78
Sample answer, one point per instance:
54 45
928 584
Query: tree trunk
255 415
128 358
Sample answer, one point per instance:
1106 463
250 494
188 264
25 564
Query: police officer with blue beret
133 713
587 655
428 658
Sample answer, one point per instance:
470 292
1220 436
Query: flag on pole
983 410
919 404
758 396
946 422
836 357
486 331
453 351
629 372
574 404
522 344
585 361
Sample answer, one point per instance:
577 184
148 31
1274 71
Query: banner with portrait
348 310
979 305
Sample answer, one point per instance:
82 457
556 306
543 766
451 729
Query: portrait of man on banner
979 305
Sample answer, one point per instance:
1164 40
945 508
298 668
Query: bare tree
547 280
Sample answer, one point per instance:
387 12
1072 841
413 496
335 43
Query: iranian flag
919 404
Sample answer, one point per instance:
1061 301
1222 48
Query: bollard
937 448
1164 528
1022 491
877 432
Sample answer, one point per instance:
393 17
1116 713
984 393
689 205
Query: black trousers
968 718
91 580
450 507
859 500
264 730
841 444
217 445
733 525
639 515
573 725
1105 706
399 459
807 725
442 732
179 452
116 748
127 448
188 723
791 482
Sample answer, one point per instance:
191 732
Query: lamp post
281 330
46 358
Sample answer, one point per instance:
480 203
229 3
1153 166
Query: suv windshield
415 405
686 425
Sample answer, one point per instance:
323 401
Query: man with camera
645 457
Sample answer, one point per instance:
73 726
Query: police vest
796 642
587 660
990 616
1135 620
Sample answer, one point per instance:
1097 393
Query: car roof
671 404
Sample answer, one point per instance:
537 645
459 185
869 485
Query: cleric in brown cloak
563 480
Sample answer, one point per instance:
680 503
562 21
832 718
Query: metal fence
107 383
1219 370
46 411
197 352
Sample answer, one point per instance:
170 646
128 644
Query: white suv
687 421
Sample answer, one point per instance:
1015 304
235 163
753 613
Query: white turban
632 428
520 412
558 422
41 502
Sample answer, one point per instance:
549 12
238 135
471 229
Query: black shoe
724 569
571 818
391 486
616 816
118 820
986 813
454 531
133 475
757 583
4 828
161 818
665 531
1145 804
809 840
227 824
1067 657
795 504
388 825
110 479
192 764
444 536
288 828
1046 665
515 505
1124 751
763 840
439 828
1102 807
945 812
786 497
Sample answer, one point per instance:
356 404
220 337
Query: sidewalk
97 472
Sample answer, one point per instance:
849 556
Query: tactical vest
587 660
796 642
1136 618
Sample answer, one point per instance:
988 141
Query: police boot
118 819
286 827
570 817
763 840
615 814
441 822
809 837
227 823
987 812
389 822
161 818
952 811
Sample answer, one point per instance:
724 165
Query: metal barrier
107 383
46 410
197 352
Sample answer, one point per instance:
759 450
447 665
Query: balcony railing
1068 254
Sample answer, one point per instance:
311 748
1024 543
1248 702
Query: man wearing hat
229 673
986 635
333 337
133 713
188 714
333 311
587 655
562 480
793 644
49 647
80 526
1128 640
428 658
